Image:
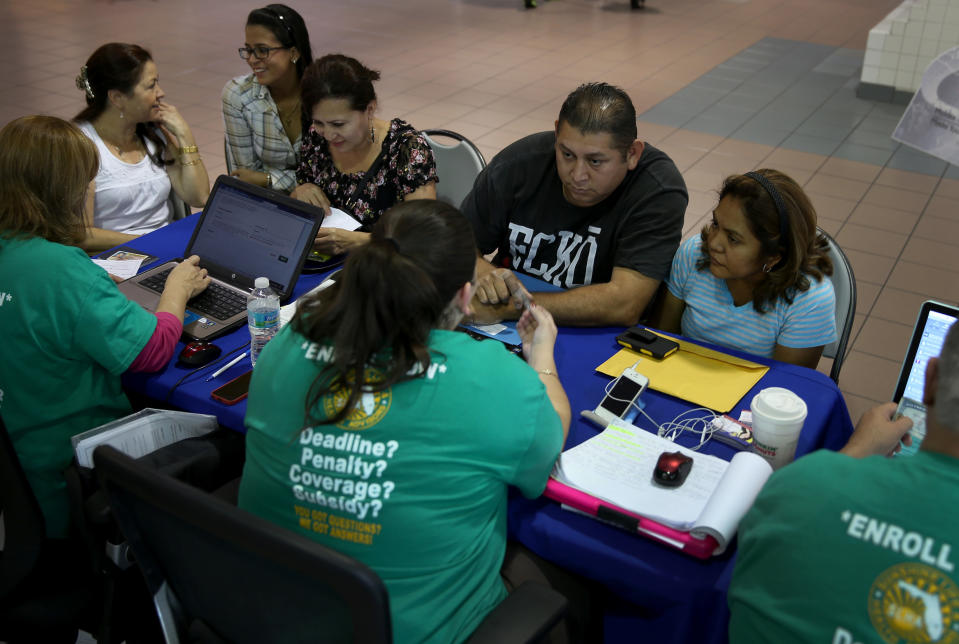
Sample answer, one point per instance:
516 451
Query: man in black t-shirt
588 207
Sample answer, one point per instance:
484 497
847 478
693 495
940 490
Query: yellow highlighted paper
694 373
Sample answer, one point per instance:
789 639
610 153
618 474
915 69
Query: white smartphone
625 390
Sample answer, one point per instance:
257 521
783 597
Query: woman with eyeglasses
352 160
146 147
755 279
261 110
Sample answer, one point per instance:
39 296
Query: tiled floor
797 95
723 85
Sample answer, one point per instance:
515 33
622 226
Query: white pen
226 366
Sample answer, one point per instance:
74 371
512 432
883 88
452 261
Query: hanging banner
931 122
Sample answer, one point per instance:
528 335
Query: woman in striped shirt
755 279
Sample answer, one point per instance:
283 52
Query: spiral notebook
609 477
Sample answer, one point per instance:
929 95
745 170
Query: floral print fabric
406 164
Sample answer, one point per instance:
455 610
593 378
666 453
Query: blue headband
780 205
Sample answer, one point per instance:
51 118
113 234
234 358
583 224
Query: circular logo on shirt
913 602
370 408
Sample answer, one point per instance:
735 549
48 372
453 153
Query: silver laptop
928 335
244 232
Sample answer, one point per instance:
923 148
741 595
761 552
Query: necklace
137 144
136 148
287 116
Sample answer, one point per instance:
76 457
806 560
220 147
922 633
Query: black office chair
48 590
220 574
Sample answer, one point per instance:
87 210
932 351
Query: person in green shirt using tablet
856 547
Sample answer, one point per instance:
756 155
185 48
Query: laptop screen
244 235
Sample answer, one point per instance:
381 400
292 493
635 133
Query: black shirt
517 207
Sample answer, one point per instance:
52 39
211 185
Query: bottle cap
262 282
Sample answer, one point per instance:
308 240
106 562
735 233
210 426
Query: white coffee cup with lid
778 417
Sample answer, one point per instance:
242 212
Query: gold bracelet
193 162
190 149
548 372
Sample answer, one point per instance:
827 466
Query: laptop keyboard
215 301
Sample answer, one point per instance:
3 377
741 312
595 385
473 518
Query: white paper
339 219
123 268
142 433
733 497
617 466
287 312
492 329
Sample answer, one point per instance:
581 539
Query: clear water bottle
263 316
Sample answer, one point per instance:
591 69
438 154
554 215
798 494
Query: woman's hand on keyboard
188 278
184 281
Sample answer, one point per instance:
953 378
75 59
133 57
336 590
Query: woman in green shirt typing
68 332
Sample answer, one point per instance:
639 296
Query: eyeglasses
260 52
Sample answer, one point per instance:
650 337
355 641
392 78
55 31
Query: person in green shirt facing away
377 430
862 549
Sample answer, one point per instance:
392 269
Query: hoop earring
293 60
767 268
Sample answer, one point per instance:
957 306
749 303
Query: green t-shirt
414 482
68 334
838 549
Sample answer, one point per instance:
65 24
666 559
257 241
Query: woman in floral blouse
351 160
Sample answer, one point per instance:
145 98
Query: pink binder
701 548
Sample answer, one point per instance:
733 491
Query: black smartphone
516 349
644 341
234 391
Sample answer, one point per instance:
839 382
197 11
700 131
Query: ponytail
392 293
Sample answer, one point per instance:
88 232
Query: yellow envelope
694 373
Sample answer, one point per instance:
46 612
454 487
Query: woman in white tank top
146 148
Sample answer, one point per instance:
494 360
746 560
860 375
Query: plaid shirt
254 133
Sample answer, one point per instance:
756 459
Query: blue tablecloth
683 599
660 595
